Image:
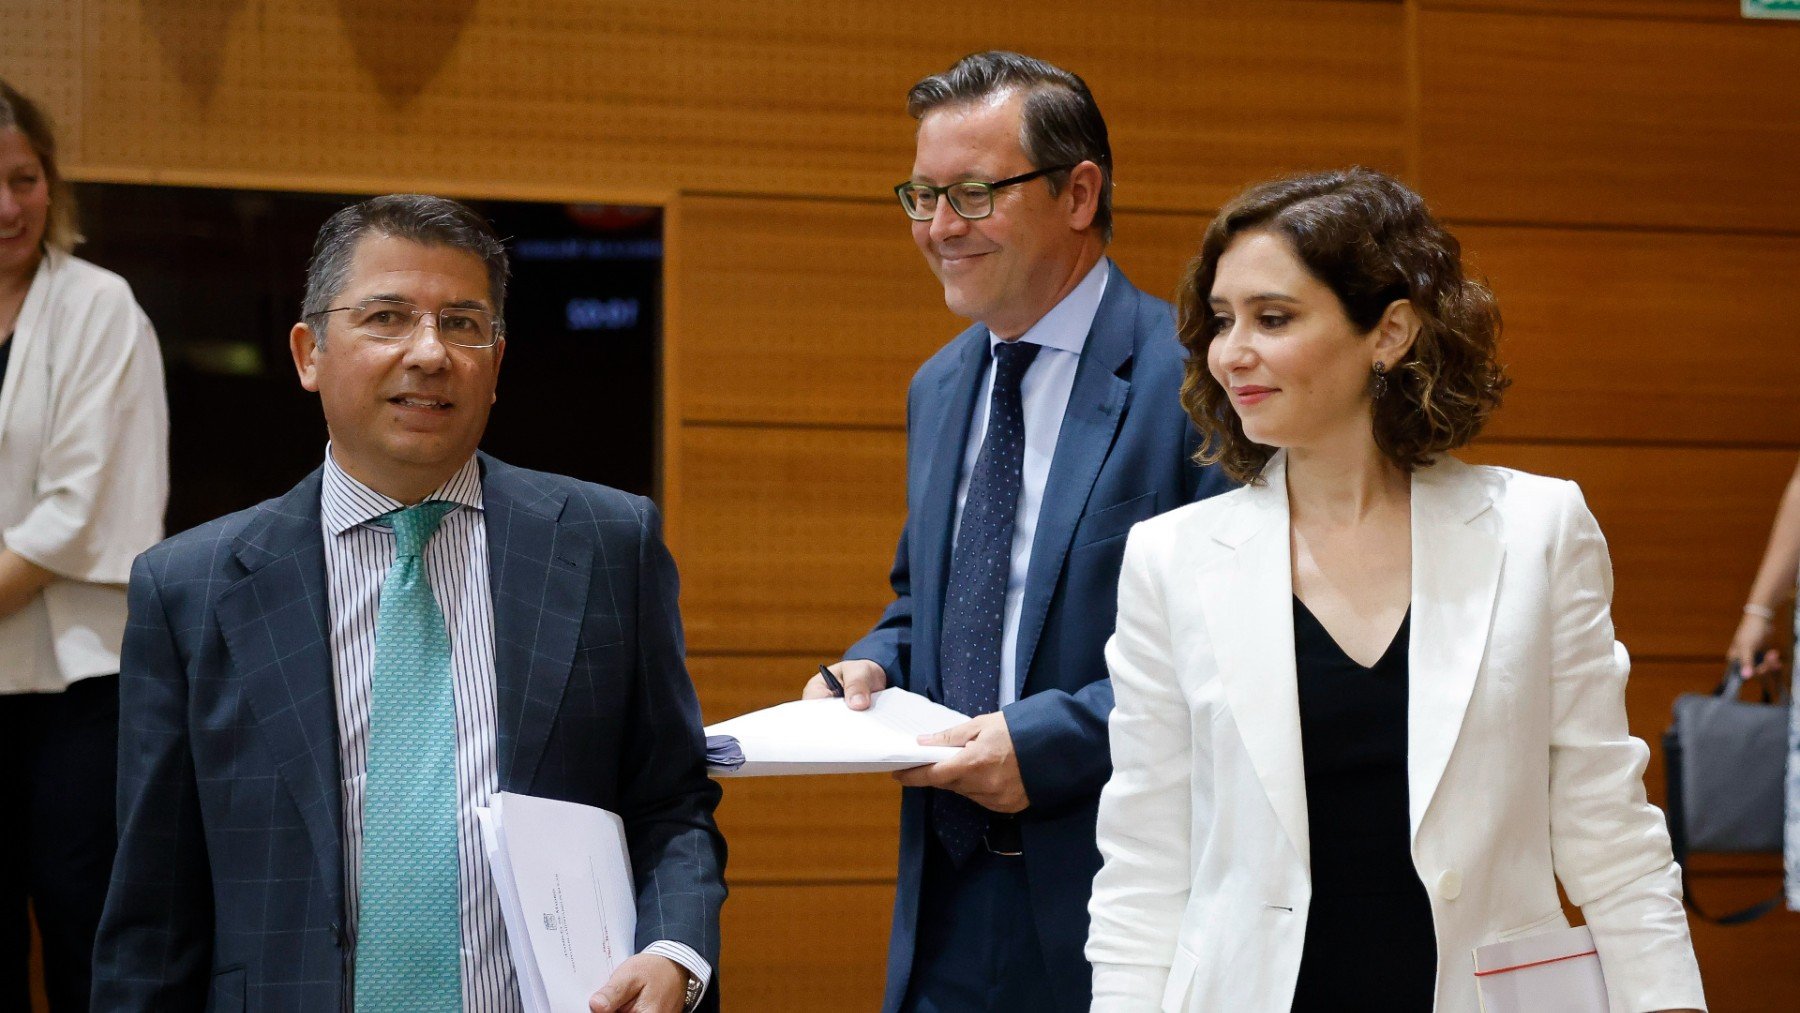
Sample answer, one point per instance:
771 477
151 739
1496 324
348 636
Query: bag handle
1733 681
1729 687
1738 917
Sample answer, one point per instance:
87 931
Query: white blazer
84 468
1520 767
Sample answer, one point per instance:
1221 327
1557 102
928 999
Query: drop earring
1380 383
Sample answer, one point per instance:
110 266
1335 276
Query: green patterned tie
409 931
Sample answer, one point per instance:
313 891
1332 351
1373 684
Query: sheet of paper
1550 972
826 737
531 983
572 913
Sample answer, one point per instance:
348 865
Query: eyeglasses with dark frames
392 320
970 199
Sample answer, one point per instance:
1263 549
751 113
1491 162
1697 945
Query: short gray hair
1061 123
421 218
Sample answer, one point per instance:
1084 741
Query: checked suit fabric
975 599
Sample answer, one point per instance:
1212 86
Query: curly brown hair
1372 241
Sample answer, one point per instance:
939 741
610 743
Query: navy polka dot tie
975 601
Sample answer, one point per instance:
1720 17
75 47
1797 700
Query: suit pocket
227 992
1114 520
1553 920
1180 988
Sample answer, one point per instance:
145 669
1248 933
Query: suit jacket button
1449 884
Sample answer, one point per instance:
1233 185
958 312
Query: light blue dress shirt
1045 389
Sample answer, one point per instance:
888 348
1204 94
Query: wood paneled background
1621 170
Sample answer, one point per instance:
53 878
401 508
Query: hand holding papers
564 878
825 737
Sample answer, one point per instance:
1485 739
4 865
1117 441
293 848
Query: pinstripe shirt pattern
357 557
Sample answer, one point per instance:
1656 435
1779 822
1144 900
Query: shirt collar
345 503
1066 326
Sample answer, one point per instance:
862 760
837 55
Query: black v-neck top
5 354
1369 932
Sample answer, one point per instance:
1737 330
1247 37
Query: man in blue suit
1035 439
318 692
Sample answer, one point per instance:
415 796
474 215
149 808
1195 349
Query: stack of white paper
826 737
1551 972
564 878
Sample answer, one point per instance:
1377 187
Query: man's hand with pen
987 769
857 681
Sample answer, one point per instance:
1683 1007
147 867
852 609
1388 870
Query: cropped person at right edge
1752 651
1370 710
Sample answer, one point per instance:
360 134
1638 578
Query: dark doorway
220 272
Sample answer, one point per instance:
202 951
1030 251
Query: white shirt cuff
683 954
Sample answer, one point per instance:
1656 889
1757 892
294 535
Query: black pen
831 683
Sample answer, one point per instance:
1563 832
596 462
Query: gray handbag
1726 760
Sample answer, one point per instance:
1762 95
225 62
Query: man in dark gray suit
318 691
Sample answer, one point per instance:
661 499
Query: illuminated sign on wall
601 314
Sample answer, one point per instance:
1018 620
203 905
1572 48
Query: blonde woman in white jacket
83 480
1369 707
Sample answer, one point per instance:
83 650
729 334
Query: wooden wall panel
1196 108
1685 528
1689 10
821 830
1644 336
788 533
811 312
795 829
1746 968
1607 120
787 536
40 55
1153 249
817 313
768 97
808 948
730 685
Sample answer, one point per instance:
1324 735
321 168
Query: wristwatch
695 990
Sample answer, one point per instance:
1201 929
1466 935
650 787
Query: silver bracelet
1762 612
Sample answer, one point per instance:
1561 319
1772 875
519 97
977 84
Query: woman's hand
1750 650
20 581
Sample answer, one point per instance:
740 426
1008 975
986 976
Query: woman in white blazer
83 480
1369 706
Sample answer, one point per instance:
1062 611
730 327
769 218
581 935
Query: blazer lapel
275 624
26 327
1457 555
1096 407
539 571
943 434
1248 603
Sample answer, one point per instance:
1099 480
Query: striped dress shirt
357 557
